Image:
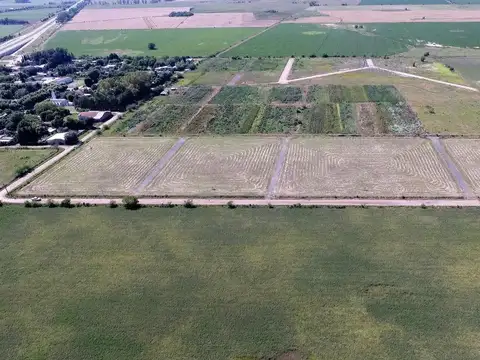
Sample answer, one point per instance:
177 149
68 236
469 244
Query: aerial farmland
276 180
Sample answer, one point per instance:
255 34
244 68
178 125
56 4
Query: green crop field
9 29
11 161
249 284
371 40
365 110
171 42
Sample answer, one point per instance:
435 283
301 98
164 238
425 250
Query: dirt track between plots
375 16
157 18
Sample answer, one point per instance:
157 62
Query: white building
59 102
57 139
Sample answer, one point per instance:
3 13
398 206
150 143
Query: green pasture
171 42
13 160
344 40
9 29
29 15
239 284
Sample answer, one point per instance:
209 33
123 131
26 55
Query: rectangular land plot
206 167
364 167
466 154
103 167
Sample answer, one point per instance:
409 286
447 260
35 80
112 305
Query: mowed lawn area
172 42
370 40
218 283
13 160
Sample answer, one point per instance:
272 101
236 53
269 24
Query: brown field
157 18
466 154
364 167
374 16
245 166
230 166
103 167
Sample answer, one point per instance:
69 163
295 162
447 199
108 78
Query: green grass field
216 283
171 42
11 160
372 40
9 29
29 15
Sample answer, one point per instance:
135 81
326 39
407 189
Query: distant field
9 29
332 109
404 2
13 160
244 166
172 42
99 283
371 40
29 15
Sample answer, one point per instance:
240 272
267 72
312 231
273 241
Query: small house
57 139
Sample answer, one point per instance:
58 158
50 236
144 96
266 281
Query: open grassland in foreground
178 42
377 39
242 284
9 29
13 161
248 166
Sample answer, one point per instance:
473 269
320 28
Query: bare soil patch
375 16
157 18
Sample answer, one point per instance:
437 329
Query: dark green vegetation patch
332 109
99 283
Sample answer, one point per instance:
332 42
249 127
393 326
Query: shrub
189 204
151 46
66 203
22 171
231 205
113 204
325 55
36 204
1 203
51 203
270 206
131 203
422 59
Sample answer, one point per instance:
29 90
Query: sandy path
286 71
235 79
428 79
327 74
282 155
160 165
452 168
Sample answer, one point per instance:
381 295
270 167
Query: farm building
6 140
96 116
57 139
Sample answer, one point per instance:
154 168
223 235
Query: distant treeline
180 13
7 21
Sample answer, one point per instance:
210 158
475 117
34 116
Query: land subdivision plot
466 154
365 168
303 67
441 108
102 167
218 167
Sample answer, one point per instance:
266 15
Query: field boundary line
402 74
286 71
247 39
158 167
205 102
355 202
328 74
279 164
451 167
235 78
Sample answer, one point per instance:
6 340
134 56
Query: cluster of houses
58 138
